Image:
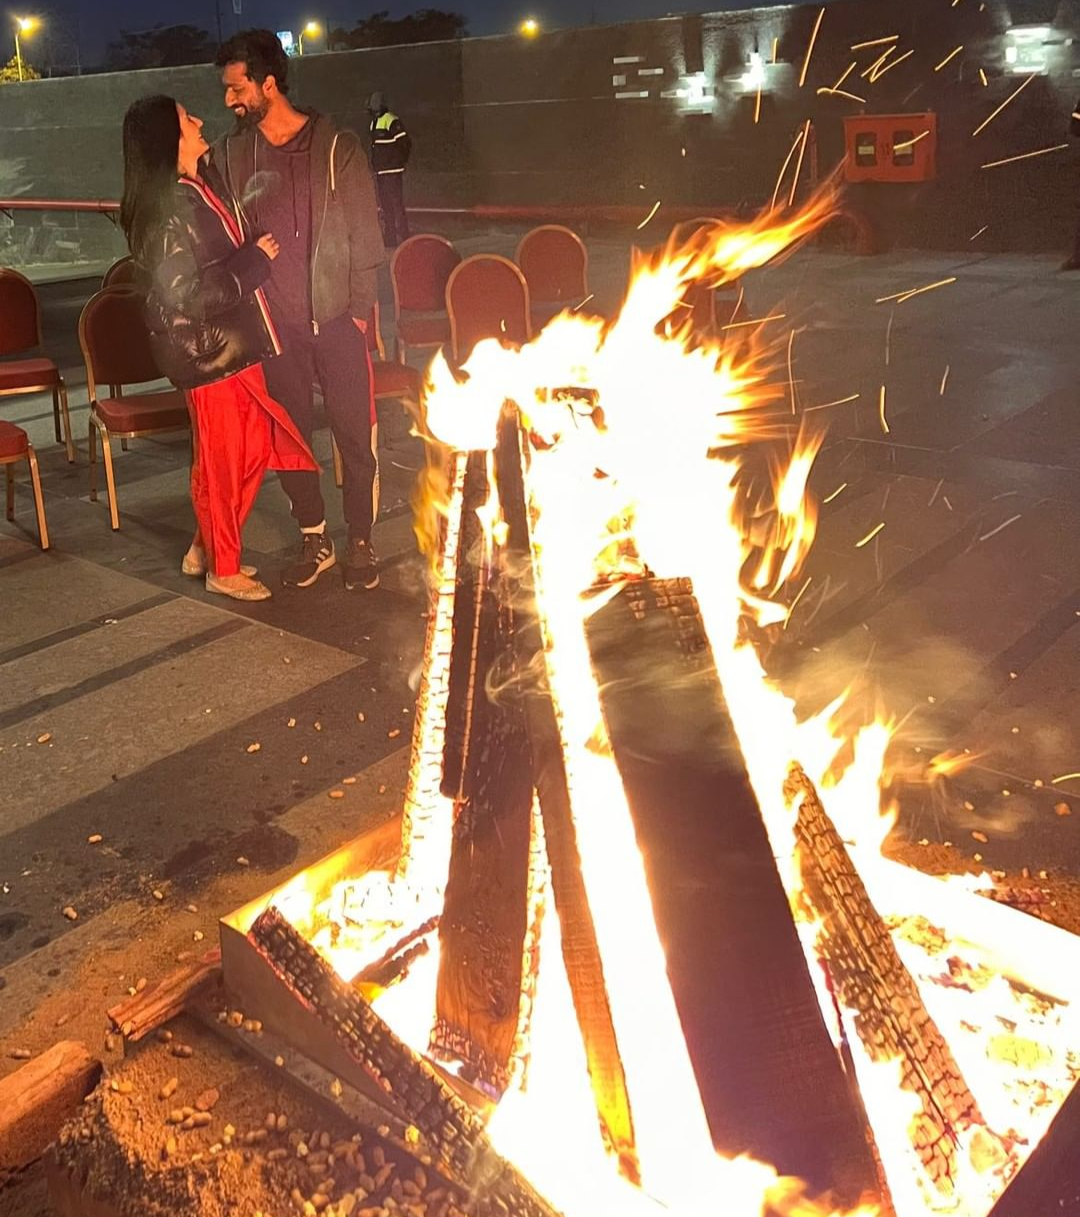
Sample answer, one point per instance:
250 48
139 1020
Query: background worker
390 148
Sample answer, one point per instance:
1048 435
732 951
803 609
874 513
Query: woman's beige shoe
239 587
194 564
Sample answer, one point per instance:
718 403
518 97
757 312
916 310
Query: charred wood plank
482 929
475 637
870 979
581 951
426 811
445 1122
770 1077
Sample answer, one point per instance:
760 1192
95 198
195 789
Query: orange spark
1015 93
1065 777
949 764
877 63
910 143
802 592
1023 156
846 73
870 536
944 380
655 209
881 412
783 169
900 297
842 93
843 486
858 46
757 107
951 55
891 64
798 167
828 404
735 325
810 47
775 48
982 77
979 233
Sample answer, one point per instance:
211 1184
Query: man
390 148
298 177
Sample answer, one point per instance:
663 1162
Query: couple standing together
259 263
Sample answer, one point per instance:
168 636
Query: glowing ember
655 436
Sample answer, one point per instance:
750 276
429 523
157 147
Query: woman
210 331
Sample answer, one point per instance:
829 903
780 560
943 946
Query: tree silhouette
380 29
9 73
164 46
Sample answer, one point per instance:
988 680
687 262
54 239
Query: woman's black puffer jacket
207 318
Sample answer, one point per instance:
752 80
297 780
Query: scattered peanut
169 1089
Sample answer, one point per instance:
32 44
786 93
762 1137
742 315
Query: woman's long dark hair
151 146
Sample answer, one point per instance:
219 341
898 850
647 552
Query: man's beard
252 115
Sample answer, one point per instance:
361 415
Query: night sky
94 22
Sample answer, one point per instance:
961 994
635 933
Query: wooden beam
483 924
770 1077
581 951
869 978
36 1100
137 1016
446 1124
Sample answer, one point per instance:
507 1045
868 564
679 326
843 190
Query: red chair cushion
395 379
13 441
28 374
146 412
423 329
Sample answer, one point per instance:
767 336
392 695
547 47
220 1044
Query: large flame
641 434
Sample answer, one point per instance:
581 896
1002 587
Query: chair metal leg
110 478
39 501
123 445
60 398
10 492
339 471
56 418
92 450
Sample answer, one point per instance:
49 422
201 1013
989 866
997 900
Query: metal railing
49 238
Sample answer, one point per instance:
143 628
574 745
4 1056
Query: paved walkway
129 699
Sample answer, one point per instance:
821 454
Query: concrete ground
130 700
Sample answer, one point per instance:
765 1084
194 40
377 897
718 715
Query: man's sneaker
316 555
361 568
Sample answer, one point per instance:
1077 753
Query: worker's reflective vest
390 144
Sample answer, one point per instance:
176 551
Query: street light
312 29
23 25
530 27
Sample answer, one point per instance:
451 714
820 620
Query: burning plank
486 771
444 1121
870 979
770 1075
581 951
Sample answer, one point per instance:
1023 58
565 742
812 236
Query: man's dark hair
261 53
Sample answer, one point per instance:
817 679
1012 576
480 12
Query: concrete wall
508 120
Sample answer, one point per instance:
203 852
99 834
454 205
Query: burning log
581 951
769 1074
482 928
425 806
869 978
445 1122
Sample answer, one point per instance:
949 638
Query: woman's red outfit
212 329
